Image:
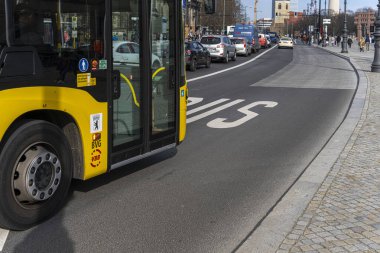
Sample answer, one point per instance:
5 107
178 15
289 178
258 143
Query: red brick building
365 21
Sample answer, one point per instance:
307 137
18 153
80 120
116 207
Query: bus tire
35 174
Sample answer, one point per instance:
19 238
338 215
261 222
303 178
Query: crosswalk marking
207 106
215 110
3 237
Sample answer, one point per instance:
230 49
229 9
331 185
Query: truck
249 32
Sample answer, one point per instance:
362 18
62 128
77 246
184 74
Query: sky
265 6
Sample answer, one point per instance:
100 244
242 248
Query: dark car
196 55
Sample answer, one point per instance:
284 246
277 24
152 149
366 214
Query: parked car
285 42
273 37
126 52
196 55
220 47
242 46
269 43
263 41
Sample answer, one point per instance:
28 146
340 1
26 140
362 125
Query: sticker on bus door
96 123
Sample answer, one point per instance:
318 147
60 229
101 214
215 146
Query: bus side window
26 26
3 40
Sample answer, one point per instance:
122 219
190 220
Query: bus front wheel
35 174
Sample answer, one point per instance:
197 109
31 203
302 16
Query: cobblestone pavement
344 214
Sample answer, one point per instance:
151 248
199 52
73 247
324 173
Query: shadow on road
129 169
40 239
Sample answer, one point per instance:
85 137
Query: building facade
264 24
365 21
282 9
191 15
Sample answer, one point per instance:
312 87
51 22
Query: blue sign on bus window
83 65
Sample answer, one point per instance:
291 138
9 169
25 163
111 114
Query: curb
281 220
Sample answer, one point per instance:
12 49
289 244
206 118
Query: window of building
279 6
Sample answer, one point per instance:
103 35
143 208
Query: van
250 33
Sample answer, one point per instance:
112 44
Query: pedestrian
338 40
332 41
367 42
349 42
361 44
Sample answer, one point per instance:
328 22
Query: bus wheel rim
37 175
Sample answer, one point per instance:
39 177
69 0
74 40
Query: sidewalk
335 204
344 214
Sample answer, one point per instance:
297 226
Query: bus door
144 115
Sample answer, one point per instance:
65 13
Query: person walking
332 42
338 40
361 44
367 42
349 42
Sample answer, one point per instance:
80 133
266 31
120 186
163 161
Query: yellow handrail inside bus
157 71
131 86
132 89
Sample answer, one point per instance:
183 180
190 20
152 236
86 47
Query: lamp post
224 15
344 42
319 22
376 61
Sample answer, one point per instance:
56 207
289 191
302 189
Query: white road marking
220 122
3 237
218 109
234 67
207 106
193 101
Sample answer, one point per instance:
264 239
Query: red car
263 41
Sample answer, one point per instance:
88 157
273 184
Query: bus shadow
41 238
99 181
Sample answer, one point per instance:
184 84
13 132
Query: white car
126 52
285 42
268 40
242 47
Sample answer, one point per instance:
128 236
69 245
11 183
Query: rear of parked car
195 55
263 41
220 47
242 46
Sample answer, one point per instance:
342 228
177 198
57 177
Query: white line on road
234 67
207 106
3 237
193 101
218 109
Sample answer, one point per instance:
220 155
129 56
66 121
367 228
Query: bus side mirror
116 84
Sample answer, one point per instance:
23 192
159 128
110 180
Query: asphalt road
251 133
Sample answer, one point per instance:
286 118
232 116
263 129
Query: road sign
326 21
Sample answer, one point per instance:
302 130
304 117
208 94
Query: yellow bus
86 86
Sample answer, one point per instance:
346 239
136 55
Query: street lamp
224 15
344 43
376 61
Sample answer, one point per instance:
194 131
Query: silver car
220 47
242 47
